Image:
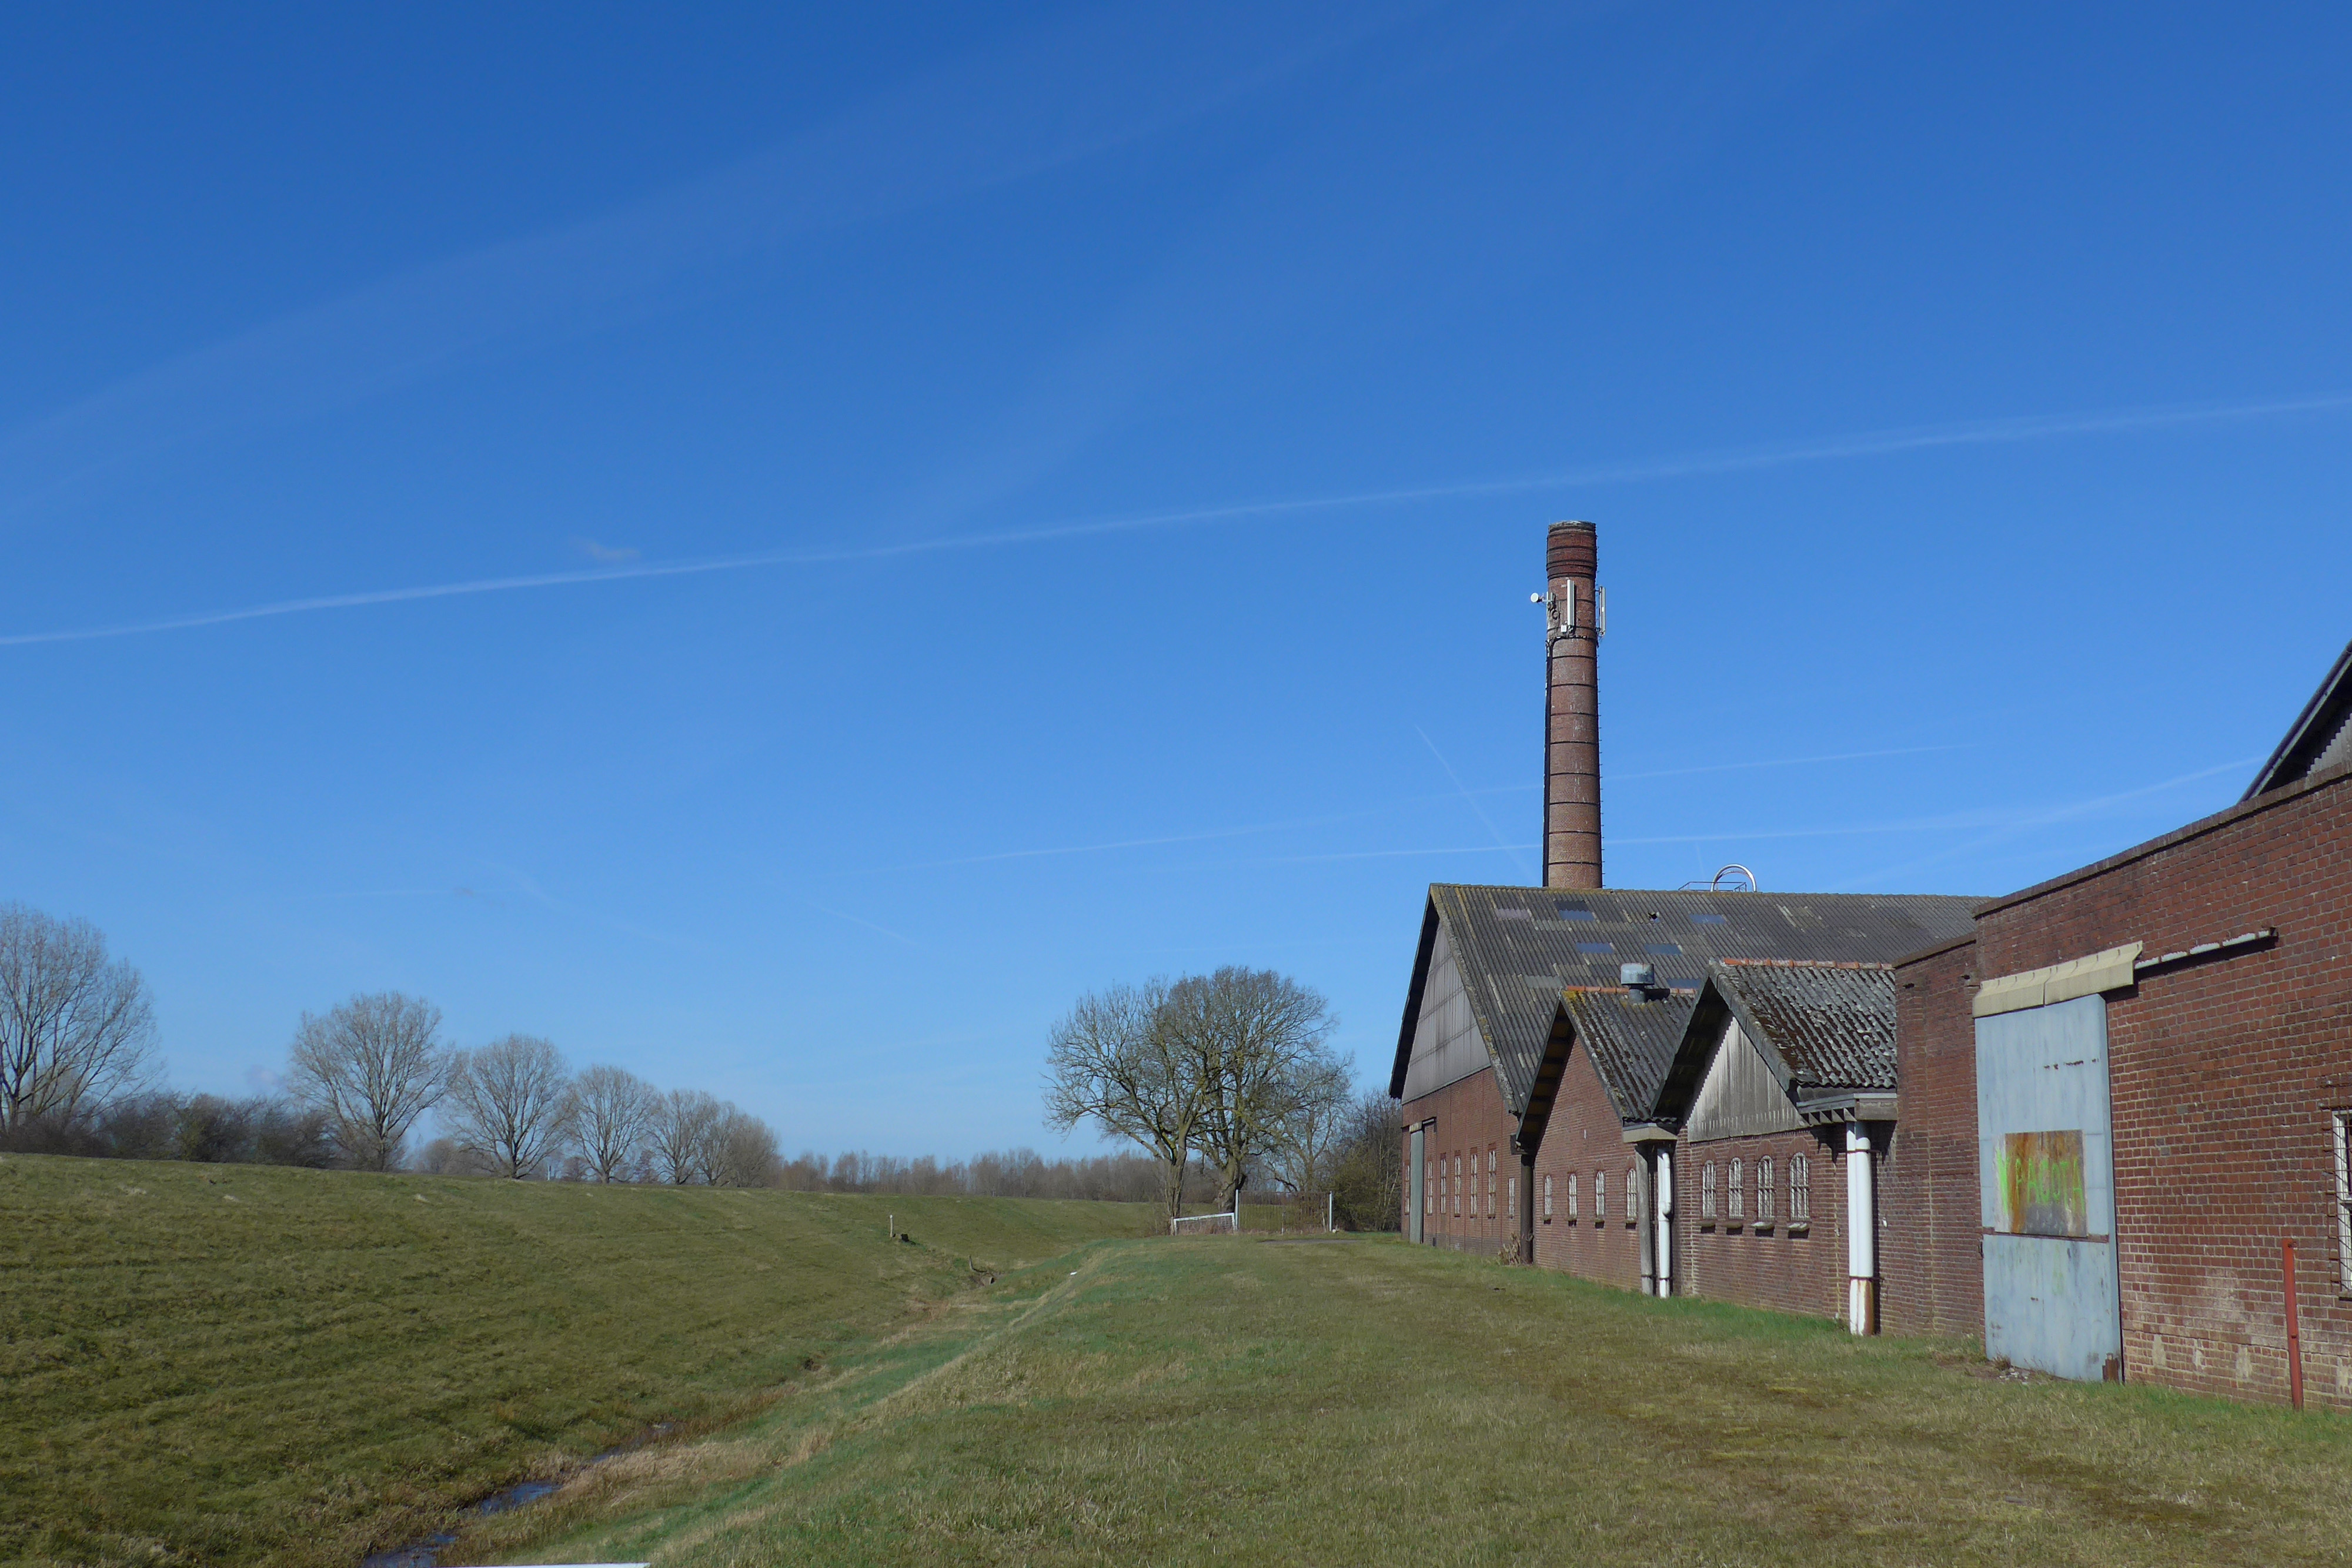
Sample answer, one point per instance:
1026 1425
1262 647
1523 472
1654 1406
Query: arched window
1736 1194
1490 1181
1632 1186
1800 1193
1764 1190
1457 1184
1600 1197
1706 1192
1511 1197
1571 1196
1547 1208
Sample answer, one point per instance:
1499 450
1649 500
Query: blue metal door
2046 1164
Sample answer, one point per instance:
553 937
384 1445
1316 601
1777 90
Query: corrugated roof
2320 737
1833 1025
1519 947
1630 1037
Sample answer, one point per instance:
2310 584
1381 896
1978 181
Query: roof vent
1637 977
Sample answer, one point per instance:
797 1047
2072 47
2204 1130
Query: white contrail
1719 461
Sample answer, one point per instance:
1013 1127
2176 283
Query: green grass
1228 1399
206 1365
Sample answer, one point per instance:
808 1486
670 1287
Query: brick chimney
1572 824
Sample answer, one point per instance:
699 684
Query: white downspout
1663 1183
1861 1233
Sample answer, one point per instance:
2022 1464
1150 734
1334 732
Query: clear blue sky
1112 447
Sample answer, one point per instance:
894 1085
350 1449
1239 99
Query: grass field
208 1363
1231 1399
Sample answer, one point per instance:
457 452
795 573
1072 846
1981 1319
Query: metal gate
2046 1163
1419 1179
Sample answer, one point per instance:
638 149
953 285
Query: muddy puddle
426 1553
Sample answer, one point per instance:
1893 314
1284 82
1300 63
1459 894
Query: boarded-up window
1801 1190
1706 1192
1764 1190
2042 1191
1736 1194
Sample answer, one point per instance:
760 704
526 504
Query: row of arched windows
1765 1193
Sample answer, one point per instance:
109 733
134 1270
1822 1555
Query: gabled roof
1628 1035
1824 1028
1518 948
2320 737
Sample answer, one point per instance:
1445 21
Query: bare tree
1114 1061
511 1103
682 1132
743 1151
1306 1143
1255 1041
371 1067
75 1027
616 1112
1369 1180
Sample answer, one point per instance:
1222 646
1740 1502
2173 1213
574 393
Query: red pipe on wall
2294 1326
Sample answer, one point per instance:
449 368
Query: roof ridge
1801 964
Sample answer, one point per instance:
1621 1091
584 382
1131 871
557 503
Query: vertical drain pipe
2294 1326
1861 1233
1662 1183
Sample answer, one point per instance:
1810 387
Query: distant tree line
77 1041
1230 1074
1011 1173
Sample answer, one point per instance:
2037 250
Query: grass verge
208 1363
1226 1399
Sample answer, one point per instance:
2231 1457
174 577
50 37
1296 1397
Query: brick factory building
1781 1095
1540 1022
2126 1100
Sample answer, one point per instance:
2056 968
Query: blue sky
776 548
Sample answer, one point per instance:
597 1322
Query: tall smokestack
1572 711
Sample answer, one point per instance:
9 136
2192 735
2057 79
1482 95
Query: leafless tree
1115 1062
1255 1041
616 1112
1306 1144
743 1151
371 1067
511 1103
682 1133
1369 1178
75 1027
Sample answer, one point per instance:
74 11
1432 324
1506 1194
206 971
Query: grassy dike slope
1231 1400
207 1363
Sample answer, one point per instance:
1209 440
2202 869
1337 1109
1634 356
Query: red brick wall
2222 1075
1930 1255
1793 1267
1472 1121
1585 1136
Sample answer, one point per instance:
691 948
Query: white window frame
1572 1213
1765 1192
1706 1192
1801 1191
1600 1197
1735 1188
1633 1198
2342 1120
1547 1208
